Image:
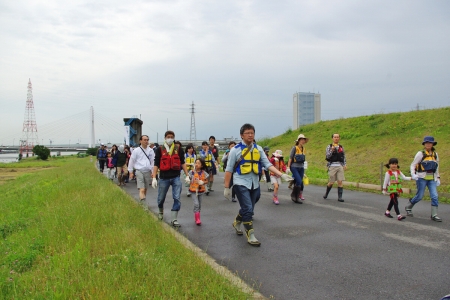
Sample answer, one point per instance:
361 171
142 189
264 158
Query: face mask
169 141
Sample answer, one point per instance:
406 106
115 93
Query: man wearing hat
425 170
337 164
101 156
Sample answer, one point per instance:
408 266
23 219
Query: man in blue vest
245 163
101 156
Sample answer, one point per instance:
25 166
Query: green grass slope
370 141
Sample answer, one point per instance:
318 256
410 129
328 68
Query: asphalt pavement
322 249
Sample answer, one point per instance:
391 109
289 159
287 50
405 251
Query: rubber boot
174 219
327 192
197 218
210 186
295 194
340 190
237 224
408 209
251 239
207 189
161 213
269 186
434 216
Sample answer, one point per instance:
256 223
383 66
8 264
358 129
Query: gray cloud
238 61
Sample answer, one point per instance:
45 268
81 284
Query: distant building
306 108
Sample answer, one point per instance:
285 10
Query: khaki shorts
143 179
336 173
123 168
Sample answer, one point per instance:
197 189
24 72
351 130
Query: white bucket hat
302 136
278 153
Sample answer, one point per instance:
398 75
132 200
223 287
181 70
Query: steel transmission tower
193 136
29 131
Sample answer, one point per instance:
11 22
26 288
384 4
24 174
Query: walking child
110 165
278 162
392 186
199 180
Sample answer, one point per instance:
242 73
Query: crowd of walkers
246 164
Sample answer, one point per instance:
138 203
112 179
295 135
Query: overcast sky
238 61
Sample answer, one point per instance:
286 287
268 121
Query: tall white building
306 108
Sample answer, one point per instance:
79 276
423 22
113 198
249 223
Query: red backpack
169 162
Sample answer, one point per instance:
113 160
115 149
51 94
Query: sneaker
233 199
175 223
275 201
400 217
436 218
188 195
388 215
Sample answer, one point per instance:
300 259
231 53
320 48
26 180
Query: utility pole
193 131
92 143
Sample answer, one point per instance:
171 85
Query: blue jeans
298 173
247 200
163 187
421 184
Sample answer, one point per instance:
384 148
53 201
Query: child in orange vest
278 162
393 187
199 181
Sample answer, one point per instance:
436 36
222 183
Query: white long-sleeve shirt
387 178
141 161
417 160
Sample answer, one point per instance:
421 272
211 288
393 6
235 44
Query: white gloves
200 182
305 165
414 177
227 193
286 177
187 179
384 192
263 178
438 182
154 183
288 170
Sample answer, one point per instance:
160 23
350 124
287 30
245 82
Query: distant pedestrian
296 165
110 165
225 163
245 163
169 160
189 158
215 167
266 173
337 164
277 161
141 160
425 171
120 161
210 162
101 157
198 181
392 186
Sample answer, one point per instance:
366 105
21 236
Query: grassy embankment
370 141
68 233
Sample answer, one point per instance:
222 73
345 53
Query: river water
12 157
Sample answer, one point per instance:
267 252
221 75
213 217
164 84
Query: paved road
324 249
